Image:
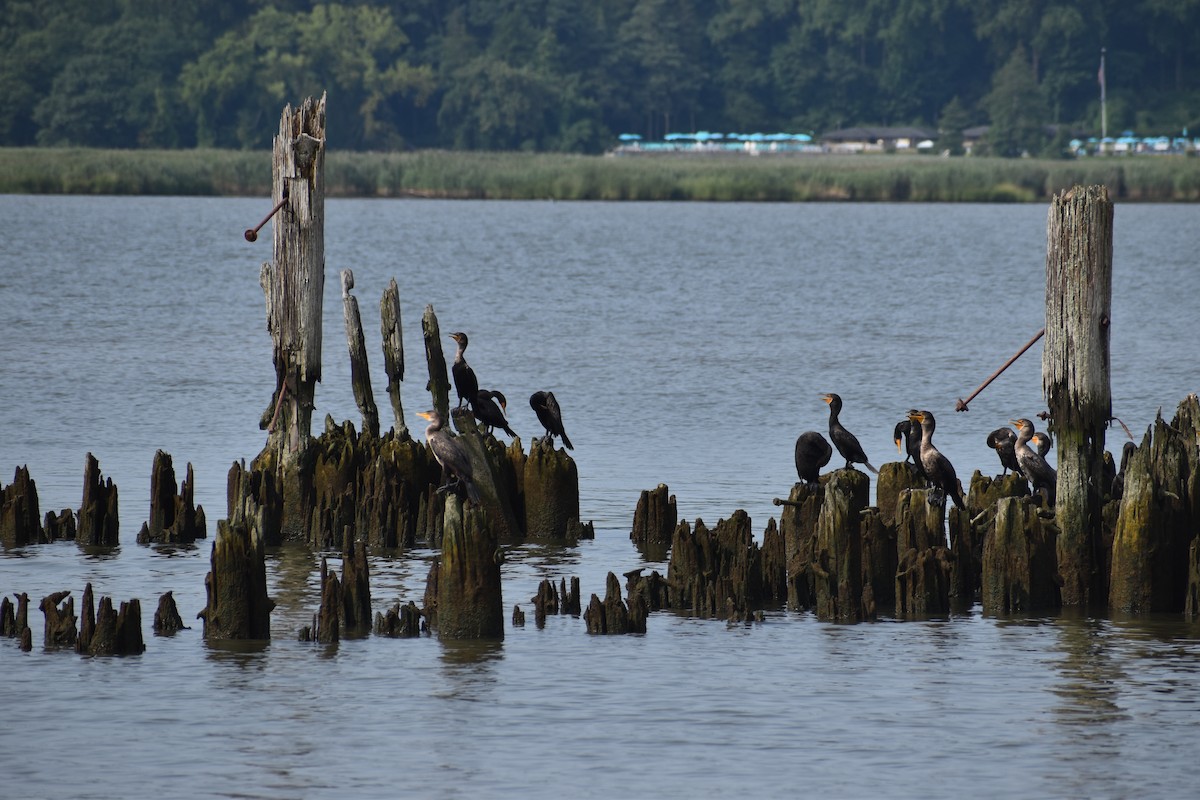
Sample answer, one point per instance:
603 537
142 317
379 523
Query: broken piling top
1075 377
294 282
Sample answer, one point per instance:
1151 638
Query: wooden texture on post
439 379
393 353
360 373
294 286
1075 378
469 602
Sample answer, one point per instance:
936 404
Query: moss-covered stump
612 616
920 524
879 561
391 490
8 621
894 478
653 589
59 612
1154 526
400 622
329 616
20 522
774 566
707 568
923 582
336 462
798 526
551 490
836 564
174 516
545 602
1019 561
569 598
117 633
236 585
99 519
469 602
59 527
969 529
356 588
167 620
253 498
20 623
489 462
654 521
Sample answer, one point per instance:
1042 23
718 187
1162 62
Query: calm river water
687 345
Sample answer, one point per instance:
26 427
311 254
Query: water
687 344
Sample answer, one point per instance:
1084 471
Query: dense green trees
571 74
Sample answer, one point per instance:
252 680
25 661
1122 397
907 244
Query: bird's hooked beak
827 398
425 415
916 416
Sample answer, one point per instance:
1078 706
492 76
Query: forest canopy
570 75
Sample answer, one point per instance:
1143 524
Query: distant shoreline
556 176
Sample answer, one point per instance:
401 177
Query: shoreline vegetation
555 176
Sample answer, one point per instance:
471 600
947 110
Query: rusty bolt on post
252 233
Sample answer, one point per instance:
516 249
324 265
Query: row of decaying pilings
835 554
103 631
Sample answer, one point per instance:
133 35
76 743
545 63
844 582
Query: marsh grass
527 176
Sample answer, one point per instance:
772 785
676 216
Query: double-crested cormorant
489 407
1004 441
938 468
465 382
1039 473
549 414
812 453
1042 442
910 432
451 455
843 439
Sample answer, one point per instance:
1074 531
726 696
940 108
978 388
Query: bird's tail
510 431
567 442
867 464
472 492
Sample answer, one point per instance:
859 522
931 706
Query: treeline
569 75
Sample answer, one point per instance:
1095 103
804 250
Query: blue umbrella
629 137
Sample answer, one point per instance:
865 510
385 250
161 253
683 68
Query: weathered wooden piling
60 619
356 587
711 569
393 354
492 475
1157 522
654 522
328 627
20 522
545 602
439 378
798 525
469 603
400 622
60 526
551 484
1075 378
1019 574
612 616
117 633
294 285
837 557
99 517
174 516
970 530
924 567
254 499
360 373
166 617
236 585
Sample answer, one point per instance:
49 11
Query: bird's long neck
459 356
1023 436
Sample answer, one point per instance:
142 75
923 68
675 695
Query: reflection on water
1089 694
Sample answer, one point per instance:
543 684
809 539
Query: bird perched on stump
907 436
465 382
489 407
1004 441
450 454
843 439
937 467
1036 470
812 453
549 414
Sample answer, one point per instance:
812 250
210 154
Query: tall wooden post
360 373
294 285
393 353
1075 378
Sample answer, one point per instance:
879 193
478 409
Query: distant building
878 140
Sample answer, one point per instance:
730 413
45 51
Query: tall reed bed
698 177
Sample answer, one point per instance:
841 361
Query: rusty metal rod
252 233
962 404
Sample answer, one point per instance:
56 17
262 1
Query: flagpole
1103 101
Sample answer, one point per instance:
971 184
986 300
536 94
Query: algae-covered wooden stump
166 617
837 551
490 464
20 522
236 585
59 611
1075 378
1157 522
710 570
294 287
1019 573
469 602
612 616
99 514
894 478
116 632
798 526
923 570
356 588
551 485
654 522
174 516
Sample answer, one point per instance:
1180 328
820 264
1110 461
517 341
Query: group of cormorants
1023 451
490 408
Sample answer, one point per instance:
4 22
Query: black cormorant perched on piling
909 432
451 455
1036 470
489 407
549 414
938 468
812 453
1003 441
843 439
465 382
